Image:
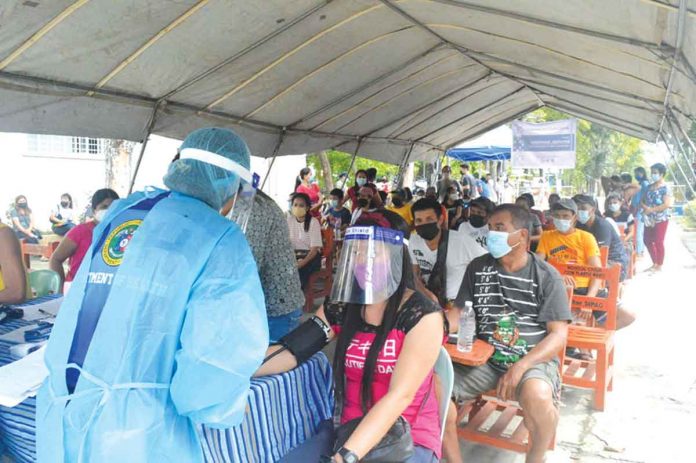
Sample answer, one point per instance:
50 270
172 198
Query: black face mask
397 202
65 203
428 231
22 205
362 202
477 221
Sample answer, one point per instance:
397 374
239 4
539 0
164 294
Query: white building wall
42 178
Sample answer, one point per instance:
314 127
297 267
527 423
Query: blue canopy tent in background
483 153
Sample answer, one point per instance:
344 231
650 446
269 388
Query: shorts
599 315
470 382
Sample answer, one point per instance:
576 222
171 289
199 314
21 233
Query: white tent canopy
398 80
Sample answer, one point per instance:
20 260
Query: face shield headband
249 182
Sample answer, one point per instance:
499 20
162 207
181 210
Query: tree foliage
340 162
599 151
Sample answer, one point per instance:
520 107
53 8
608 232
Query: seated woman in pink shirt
387 342
78 240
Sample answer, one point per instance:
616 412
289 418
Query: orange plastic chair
320 282
507 430
593 374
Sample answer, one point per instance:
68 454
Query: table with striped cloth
283 411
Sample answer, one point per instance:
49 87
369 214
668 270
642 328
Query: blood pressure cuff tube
307 339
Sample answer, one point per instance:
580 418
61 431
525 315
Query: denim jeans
283 324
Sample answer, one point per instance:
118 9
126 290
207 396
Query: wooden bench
495 423
320 282
42 250
593 374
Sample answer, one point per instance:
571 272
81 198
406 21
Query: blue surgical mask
361 181
497 243
334 203
656 177
584 216
615 207
562 225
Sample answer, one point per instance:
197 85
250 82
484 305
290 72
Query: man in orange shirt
570 245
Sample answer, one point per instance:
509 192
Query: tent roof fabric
400 80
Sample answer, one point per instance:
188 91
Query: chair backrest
44 282
327 239
445 371
609 275
604 255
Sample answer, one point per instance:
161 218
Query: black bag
437 284
395 447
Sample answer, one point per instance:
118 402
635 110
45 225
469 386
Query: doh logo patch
117 242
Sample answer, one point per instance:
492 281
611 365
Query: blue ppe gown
180 333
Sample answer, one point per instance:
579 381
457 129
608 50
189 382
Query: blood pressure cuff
307 339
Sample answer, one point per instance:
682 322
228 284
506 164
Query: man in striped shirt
522 309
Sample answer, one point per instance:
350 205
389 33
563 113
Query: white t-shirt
66 214
480 235
304 240
461 250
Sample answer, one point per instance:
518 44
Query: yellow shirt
405 213
574 248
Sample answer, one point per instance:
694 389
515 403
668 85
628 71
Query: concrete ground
651 414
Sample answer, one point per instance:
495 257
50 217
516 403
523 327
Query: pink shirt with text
423 413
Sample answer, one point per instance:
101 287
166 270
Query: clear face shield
243 202
370 266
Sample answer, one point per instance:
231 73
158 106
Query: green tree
339 162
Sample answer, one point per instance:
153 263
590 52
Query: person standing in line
636 201
656 205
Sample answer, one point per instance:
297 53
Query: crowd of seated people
457 237
402 286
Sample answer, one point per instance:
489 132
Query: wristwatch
348 455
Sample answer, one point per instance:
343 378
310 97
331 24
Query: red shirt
313 192
81 235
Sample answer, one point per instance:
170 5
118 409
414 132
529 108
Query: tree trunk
118 165
326 170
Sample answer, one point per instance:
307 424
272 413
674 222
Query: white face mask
99 215
614 207
453 197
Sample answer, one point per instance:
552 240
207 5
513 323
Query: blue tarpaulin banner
483 153
546 145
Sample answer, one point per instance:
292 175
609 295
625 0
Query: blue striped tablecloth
284 410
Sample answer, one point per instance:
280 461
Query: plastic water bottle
467 328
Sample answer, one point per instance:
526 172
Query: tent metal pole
352 162
146 139
676 161
681 18
683 132
404 162
281 136
682 151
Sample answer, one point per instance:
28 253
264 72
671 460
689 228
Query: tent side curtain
484 153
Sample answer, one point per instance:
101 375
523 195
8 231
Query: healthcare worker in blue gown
164 324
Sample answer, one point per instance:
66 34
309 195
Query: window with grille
60 146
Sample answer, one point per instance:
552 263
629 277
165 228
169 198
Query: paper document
41 311
21 379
